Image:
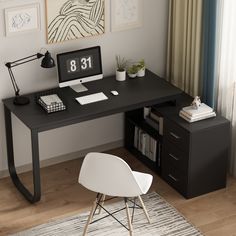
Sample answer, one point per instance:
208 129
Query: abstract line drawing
127 10
73 19
126 14
22 19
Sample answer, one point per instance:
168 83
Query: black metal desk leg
36 165
11 163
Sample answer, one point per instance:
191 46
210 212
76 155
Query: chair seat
144 180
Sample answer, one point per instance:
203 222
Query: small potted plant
132 71
121 64
141 68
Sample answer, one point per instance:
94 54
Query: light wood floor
214 214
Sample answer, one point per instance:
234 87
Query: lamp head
48 61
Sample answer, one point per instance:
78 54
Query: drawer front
177 135
173 156
176 179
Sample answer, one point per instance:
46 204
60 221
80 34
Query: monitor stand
79 88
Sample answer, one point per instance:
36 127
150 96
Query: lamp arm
24 60
47 62
15 86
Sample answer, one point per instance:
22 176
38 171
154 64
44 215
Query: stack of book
145 144
51 103
191 114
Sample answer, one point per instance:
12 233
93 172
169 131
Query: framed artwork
22 19
73 19
126 14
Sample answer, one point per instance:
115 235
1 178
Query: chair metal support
102 203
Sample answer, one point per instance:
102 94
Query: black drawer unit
194 155
191 157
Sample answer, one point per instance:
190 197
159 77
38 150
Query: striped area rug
166 221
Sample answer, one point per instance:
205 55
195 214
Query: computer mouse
115 93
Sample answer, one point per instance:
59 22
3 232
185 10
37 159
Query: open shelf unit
135 119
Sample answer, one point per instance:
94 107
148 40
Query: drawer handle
173 178
174 135
174 157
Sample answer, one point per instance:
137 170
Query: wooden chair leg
132 218
90 216
101 203
129 218
144 209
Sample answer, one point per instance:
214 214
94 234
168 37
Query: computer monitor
80 66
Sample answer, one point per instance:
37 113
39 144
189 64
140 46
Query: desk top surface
133 94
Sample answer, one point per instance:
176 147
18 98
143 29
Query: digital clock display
75 65
79 64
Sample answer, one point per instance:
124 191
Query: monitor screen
79 66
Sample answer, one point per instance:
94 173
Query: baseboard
67 157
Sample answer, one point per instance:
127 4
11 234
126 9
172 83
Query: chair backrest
109 175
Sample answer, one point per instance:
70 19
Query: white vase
141 73
120 75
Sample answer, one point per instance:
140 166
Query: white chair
110 175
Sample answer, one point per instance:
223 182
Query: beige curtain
184 45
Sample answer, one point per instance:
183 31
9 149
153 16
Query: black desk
133 94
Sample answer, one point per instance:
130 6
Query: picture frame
22 19
70 20
126 14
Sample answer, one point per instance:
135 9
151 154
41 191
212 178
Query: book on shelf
161 120
146 112
143 143
140 132
136 132
154 116
147 146
196 118
153 148
154 124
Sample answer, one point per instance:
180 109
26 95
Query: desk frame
35 197
134 94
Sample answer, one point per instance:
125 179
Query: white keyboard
95 97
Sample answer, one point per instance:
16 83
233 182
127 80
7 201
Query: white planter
120 75
132 75
141 73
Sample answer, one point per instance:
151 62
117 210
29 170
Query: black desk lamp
47 62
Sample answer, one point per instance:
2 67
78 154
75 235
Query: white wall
148 42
